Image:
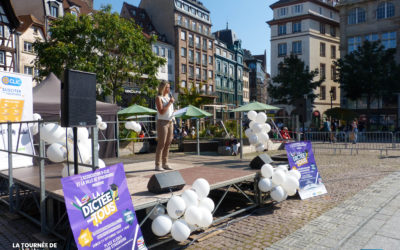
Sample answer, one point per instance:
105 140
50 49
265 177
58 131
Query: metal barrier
382 141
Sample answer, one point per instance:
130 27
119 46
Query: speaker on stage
78 99
164 182
260 160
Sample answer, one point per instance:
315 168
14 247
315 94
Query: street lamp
331 93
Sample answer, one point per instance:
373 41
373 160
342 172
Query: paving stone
381 242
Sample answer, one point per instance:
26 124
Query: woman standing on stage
165 126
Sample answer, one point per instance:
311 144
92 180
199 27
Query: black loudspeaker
78 99
164 182
260 160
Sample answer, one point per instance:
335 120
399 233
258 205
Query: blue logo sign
11 81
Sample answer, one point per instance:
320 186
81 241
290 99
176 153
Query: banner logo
11 81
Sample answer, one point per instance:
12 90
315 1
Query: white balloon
84 154
83 134
251 124
206 217
291 192
52 133
137 128
268 127
103 126
207 203
192 227
283 167
253 139
278 194
193 215
260 148
176 207
36 117
128 125
290 183
296 173
161 225
261 117
278 177
248 132
180 230
252 115
190 197
98 119
267 170
57 152
265 184
34 129
257 127
263 137
158 210
201 187
102 164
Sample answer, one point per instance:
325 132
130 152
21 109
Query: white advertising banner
16 105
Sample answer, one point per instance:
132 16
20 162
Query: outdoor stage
221 173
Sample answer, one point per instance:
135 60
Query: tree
293 82
370 72
112 47
192 96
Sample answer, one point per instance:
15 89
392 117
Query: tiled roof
84 8
27 21
197 4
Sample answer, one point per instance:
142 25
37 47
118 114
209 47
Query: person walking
165 126
354 130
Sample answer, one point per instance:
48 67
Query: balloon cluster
61 145
133 126
100 124
258 130
184 213
280 182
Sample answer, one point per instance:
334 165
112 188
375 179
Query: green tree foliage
293 82
370 72
192 96
112 47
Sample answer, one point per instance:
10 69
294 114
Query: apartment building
258 78
186 25
310 30
8 38
246 90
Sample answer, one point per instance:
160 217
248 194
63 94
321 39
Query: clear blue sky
247 18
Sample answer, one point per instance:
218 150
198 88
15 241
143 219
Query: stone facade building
310 30
8 38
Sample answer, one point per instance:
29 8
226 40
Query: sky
247 18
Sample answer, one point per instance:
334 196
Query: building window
230 71
206 30
333 52
224 53
198 59
283 11
74 13
204 74
194 26
322 70
163 52
225 69
53 9
218 66
296 48
322 28
385 10
356 15
183 52
389 40
198 42
239 74
169 54
1 30
156 50
297 9
231 56
183 69
322 93
218 82
353 43
218 51
28 47
197 72
179 20
191 56
204 44
210 74
210 60
372 37
333 72
282 49
281 29
186 22
240 60
296 27
333 91
204 59
191 71
2 57
183 84
333 31
322 49
200 28
210 44
183 35
28 70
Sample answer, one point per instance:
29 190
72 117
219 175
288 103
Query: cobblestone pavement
344 177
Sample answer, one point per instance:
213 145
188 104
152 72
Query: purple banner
301 157
100 210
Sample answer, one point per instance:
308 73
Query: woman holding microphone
165 126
